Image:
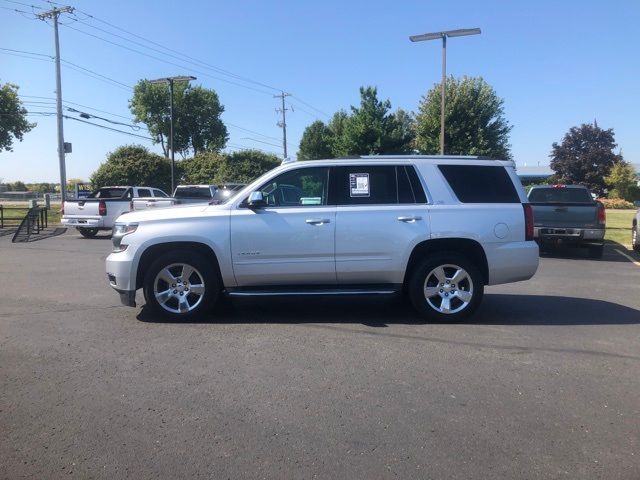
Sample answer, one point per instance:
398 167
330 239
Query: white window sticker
359 184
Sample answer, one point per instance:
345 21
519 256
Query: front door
291 241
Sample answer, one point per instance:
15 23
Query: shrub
616 203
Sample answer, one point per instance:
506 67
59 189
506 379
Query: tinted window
193 192
560 195
480 184
144 192
416 185
364 185
159 193
108 193
296 188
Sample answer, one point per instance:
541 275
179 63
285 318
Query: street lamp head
181 78
447 33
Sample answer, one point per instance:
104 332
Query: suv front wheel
446 288
180 285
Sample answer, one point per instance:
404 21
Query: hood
170 213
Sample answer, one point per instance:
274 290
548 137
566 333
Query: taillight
602 214
528 221
102 208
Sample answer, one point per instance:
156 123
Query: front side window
159 193
302 187
144 192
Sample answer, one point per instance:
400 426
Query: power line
89 72
108 128
310 106
23 4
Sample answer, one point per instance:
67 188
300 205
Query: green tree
197 124
13 117
316 142
133 165
372 129
16 187
622 182
474 120
585 156
244 166
43 187
201 169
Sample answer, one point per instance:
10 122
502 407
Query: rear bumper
83 222
511 261
577 237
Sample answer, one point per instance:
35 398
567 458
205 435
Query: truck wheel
635 241
181 285
446 288
88 232
596 252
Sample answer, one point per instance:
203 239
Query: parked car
185 194
159 199
100 209
635 241
567 215
425 226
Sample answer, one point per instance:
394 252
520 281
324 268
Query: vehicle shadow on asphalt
572 253
496 309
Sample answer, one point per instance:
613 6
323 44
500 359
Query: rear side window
144 192
560 195
159 193
375 185
480 184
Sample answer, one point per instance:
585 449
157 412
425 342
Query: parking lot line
628 257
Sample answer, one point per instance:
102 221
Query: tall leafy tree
316 142
244 166
623 182
585 156
197 110
474 120
201 169
133 165
13 117
368 129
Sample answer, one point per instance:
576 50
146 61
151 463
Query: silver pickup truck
567 215
100 210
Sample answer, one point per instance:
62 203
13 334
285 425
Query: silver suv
435 228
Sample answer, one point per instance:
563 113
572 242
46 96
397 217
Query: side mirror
256 200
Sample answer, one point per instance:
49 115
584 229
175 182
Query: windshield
560 195
193 192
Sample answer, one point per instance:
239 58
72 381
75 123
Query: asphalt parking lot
542 383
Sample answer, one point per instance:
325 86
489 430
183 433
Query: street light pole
443 35
170 81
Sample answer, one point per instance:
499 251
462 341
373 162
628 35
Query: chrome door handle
317 221
409 219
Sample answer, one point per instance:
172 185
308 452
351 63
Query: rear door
381 214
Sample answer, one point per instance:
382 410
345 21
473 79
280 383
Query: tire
432 275
164 280
88 232
596 252
635 241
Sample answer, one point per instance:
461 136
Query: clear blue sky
556 64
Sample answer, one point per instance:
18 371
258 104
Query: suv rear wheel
635 241
180 285
446 288
88 232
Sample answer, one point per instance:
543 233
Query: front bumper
121 268
127 297
576 237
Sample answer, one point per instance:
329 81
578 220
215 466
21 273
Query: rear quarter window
480 184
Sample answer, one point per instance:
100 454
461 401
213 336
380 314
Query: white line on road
628 257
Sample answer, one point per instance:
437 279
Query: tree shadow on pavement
377 312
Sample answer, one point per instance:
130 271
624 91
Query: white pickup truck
100 210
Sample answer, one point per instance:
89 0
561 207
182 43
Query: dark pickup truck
567 215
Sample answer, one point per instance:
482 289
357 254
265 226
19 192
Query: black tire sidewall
416 284
206 268
88 232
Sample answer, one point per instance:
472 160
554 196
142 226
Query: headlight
118 233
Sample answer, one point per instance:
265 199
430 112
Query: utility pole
283 122
54 13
